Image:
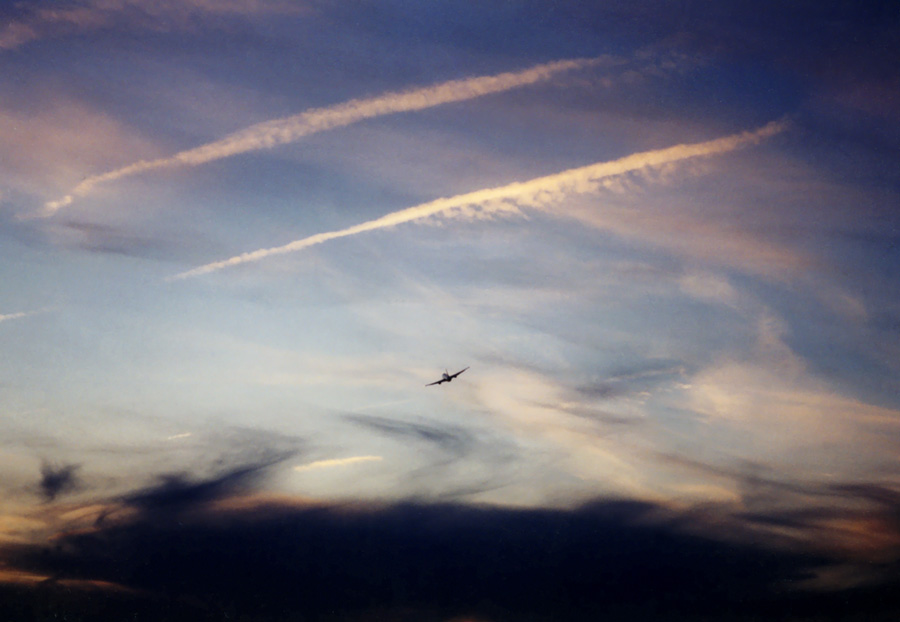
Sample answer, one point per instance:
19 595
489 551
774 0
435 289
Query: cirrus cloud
276 132
543 193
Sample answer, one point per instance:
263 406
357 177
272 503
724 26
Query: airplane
447 377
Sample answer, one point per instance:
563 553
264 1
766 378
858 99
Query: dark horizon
611 559
212 547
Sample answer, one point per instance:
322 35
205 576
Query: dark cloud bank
187 551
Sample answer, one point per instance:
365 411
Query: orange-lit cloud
270 134
21 577
53 140
542 193
14 528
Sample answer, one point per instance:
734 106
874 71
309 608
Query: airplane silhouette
447 377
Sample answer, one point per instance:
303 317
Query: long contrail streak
290 129
536 193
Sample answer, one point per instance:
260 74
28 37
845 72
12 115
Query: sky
239 238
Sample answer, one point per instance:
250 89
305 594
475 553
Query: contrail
536 193
290 129
14 316
20 314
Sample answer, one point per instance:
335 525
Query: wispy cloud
50 20
179 491
539 193
450 439
14 316
290 129
19 315
57 479
56 138
783 411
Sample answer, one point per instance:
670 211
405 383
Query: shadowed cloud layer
213 546
613 557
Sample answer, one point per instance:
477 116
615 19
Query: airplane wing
438 382
458 373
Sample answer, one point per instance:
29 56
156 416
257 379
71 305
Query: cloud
336 462
177 492
772 383
16 316
765 407
541 193
270 134
706 240
101 238
450 439
49 138
57 479
612 558
709 287
577 445
41 20
456 462
216 543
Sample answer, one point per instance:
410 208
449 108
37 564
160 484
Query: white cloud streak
538 193
13 316
324 464
20 314
276 132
